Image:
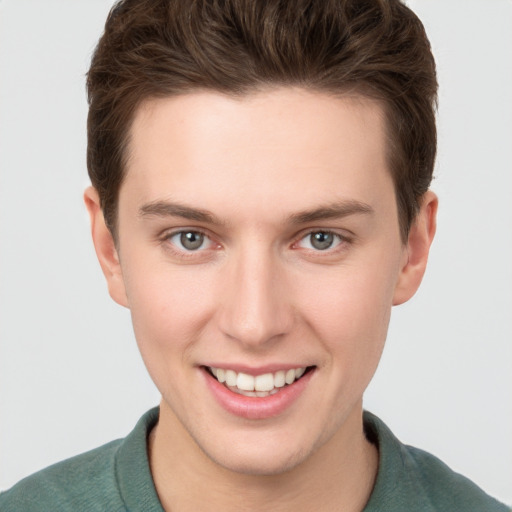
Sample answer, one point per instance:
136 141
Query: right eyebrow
170 209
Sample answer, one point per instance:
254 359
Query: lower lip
257 408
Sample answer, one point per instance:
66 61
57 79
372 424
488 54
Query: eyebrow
335 210
169 209
330 211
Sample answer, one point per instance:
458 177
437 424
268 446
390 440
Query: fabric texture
116 478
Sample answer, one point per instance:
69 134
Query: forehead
268 149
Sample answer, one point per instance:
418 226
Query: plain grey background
70 374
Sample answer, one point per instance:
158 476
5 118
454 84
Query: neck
339 475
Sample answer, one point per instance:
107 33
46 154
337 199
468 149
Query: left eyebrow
331 211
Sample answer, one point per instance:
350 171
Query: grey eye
191 240
321 240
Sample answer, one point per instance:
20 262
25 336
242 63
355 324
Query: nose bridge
256 308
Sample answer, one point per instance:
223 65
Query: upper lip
257 370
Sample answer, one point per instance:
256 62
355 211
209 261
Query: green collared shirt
116 478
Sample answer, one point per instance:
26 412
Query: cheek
350 312
349 315
169 308
169 312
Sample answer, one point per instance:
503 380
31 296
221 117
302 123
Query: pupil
322 240
191 240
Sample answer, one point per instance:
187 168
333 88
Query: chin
258 464
263 453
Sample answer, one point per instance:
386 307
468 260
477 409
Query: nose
256 305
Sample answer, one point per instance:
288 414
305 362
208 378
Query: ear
105 248
417 249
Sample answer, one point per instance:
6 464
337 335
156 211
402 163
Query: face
258 236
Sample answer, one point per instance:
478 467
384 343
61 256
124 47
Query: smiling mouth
261 386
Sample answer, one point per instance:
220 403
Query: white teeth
264 382
231 378
279 381
261 385
289 377
299 372
245 382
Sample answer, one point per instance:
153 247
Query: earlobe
105 247
417 250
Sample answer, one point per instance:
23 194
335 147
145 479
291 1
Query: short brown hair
158 48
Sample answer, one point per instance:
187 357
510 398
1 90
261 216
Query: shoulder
409 477
446 489
74 484
114 477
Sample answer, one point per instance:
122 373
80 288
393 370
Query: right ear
105 248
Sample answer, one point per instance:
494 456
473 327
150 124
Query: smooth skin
217 258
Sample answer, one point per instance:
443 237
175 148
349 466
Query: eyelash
342 242
187 253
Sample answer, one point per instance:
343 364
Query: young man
260 201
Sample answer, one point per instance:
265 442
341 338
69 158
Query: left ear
416 251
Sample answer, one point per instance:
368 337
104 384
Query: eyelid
166 236
169 232
343 238
205 242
